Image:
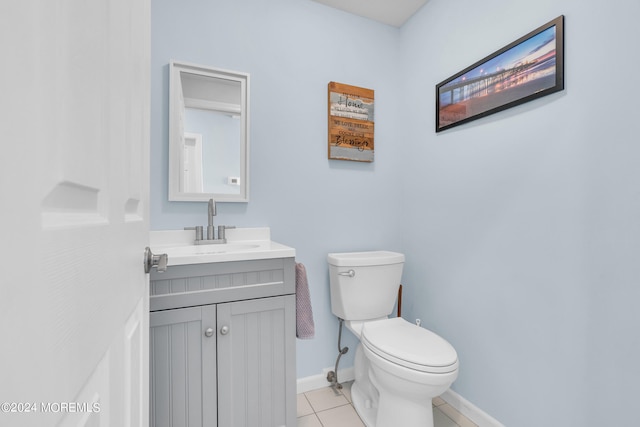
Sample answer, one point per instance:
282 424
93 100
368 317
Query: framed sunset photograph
528 68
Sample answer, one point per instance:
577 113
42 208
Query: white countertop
243 244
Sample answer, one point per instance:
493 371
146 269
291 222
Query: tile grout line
315 413
339 406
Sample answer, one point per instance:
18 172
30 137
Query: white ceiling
391 12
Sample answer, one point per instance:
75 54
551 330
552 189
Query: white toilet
399 367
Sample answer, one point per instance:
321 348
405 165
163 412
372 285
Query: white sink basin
243 244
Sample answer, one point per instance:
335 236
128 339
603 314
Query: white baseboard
315 382
469 410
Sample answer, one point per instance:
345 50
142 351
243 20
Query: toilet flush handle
349 273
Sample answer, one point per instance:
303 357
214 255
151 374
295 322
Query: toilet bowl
409 366
399 366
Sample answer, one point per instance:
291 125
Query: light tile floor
327 408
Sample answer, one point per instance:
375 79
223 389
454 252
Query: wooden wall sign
350 123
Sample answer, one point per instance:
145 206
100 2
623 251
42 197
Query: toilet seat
410 346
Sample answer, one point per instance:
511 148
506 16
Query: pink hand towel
305 328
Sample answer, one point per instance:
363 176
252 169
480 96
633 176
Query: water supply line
332 376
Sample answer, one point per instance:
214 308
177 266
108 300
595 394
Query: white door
74 136
192 163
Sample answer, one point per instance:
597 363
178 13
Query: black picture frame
529 68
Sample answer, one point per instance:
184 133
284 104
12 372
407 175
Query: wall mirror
208 134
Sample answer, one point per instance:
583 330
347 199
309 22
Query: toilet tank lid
361 259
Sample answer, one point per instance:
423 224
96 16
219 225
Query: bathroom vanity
222 338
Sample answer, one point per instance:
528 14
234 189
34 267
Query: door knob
158 261
209 332
224 330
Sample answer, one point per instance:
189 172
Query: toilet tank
364 285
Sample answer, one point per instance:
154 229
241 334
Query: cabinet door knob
209 332
224 330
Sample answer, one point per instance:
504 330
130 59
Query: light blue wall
521 230
292 49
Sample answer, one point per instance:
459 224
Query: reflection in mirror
208 146
211 138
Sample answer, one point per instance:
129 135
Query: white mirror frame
176 106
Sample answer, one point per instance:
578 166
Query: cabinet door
183 367
256 363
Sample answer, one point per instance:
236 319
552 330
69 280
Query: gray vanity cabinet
224 363
183 368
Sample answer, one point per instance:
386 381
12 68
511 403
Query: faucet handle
222 229
199 231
